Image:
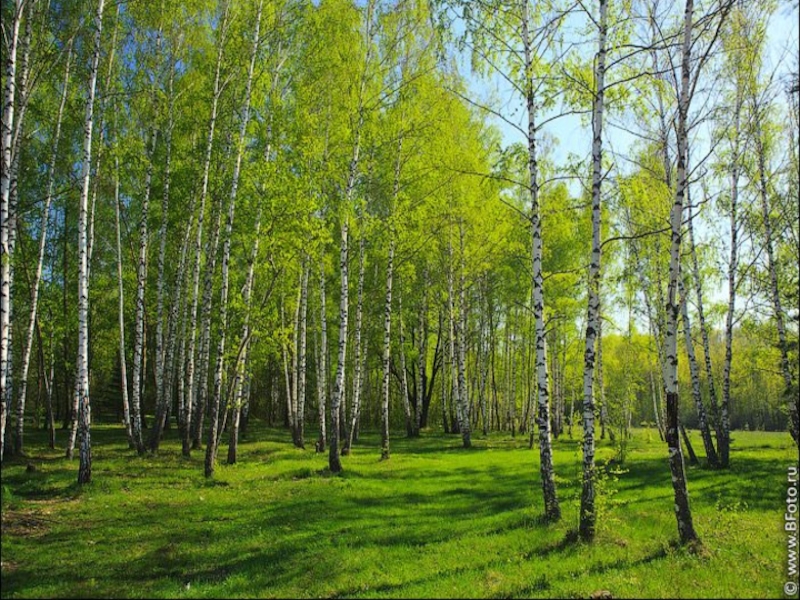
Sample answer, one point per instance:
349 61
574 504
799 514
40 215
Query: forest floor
433 521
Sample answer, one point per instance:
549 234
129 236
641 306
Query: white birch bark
23 98
138 341
162 399
32 317
775 297
322 378
552 508
422 356
334 460
8 123
694 372
588 515
287 382
191 383
84 420
712 388
670 375
199 389
126 411
294 405
301 356
241 364
733 265
211 447
357 341
387 348
455 394
461 334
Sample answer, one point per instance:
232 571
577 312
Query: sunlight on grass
433 521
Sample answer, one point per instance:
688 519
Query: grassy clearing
434 521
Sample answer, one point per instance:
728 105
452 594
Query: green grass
433 521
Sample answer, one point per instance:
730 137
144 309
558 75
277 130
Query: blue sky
572 134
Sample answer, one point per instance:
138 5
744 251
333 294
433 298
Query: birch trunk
358 343
213 441
551 505
49 383
712 389
733 265
483 368
126 411
9 91
422 357
190 376
387 348
682 509
301 356
287 382
241 366
462 361
357 376
23 95
445 371
200 384
689 449
84 420
451 319
293 404
705 430
794 426
162 398
334 461
322 378
139 334
588 516
337 401
32 318
601 390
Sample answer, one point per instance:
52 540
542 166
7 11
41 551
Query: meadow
433 521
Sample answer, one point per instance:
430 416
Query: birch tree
9 91
588 516
84 418
211 446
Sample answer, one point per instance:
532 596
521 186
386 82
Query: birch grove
324 220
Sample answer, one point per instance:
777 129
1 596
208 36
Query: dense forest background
307 213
